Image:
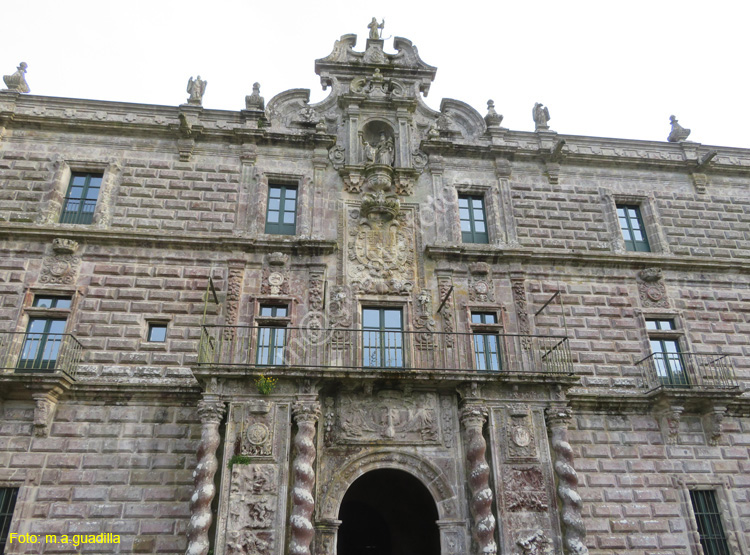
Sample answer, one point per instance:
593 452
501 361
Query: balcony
77 211
45 353
267 347
684 371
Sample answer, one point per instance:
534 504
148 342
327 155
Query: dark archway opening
388 512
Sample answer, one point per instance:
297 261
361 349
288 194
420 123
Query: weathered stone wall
634 486
125 469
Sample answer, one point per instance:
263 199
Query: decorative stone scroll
473 418
391 416
306 413
211 411
44 408
652 290
713 423
574 532
234 292
518 285
62 266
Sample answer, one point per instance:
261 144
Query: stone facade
575 442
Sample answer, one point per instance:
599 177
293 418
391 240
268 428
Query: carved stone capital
306 411
211 411
558 417
473 415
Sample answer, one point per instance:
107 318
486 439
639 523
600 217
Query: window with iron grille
281 214
382 338
7 504
473 219
272 335
711 532
80 201
44 336
486 342
633 230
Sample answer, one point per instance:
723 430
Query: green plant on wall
265 384
238 459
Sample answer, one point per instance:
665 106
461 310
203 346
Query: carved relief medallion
651 288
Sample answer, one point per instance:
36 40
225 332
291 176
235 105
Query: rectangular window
281 216
669 363
473 221
633 230
272 336
8 498
80 201
707 517
382 338
486 343
157 332
44 336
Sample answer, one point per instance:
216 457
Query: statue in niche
541 116
384 150
369 151
678 133
196 88
374 27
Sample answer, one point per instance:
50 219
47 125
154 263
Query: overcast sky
603 68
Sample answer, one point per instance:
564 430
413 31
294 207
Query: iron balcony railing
77 211
39 353
688 370
267 346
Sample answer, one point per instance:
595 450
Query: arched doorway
388 512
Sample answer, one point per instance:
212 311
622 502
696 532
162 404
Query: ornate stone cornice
493 253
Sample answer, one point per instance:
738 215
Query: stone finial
17 81
678 133
376 29
196 89
541 117
492 118
255 101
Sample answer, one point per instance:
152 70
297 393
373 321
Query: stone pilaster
574 532
211 411
305 413
473 419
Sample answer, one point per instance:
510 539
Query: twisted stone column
211 410
574 531
306 414
473 418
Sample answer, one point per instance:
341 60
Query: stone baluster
306 414
473 418
574 532
211 410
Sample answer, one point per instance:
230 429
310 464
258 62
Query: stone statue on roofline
374 26
678 133
255 101
541 117
196 88
17 81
